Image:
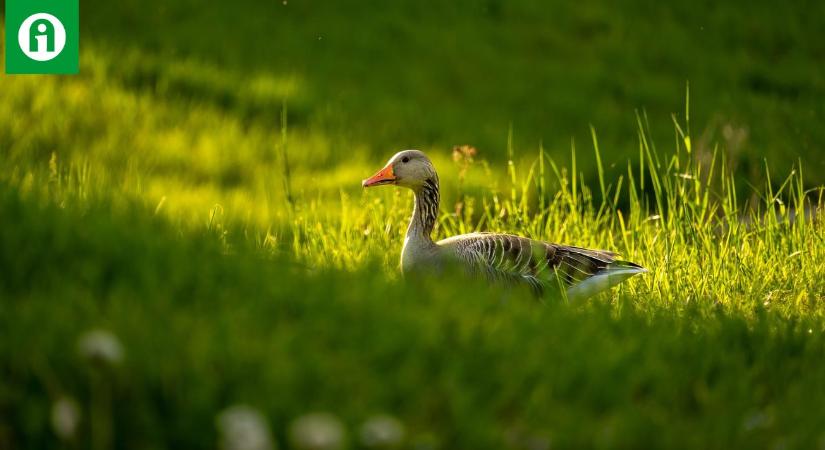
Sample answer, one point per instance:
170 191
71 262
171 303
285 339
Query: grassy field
196 195
423 74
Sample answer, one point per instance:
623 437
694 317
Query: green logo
42 36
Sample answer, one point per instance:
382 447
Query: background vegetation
194 193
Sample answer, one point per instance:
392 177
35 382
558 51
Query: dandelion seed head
65 418
382 431
317 431
101 346
244 428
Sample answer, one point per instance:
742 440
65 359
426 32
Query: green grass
198 196
719 346
424 74
428 75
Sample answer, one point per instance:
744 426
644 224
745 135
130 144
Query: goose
500 258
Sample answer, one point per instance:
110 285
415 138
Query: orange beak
384 176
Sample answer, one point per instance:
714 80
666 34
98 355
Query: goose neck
425 212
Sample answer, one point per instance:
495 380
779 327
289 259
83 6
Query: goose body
502 258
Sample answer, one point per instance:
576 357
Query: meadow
182 229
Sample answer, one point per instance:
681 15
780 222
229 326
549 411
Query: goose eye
405 159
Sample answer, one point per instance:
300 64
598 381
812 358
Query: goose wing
504 257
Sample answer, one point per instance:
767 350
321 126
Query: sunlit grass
166 219
674 212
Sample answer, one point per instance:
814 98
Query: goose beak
384 176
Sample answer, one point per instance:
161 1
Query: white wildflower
318 431
244 428
101 346
382 431
65 418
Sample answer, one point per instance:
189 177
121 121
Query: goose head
407 168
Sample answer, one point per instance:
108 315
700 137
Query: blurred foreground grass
720 346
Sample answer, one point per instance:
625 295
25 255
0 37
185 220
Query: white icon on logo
41 37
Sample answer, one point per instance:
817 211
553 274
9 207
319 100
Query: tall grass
678 214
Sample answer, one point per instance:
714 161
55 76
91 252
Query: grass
199 198
412 74
427 75
719 346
